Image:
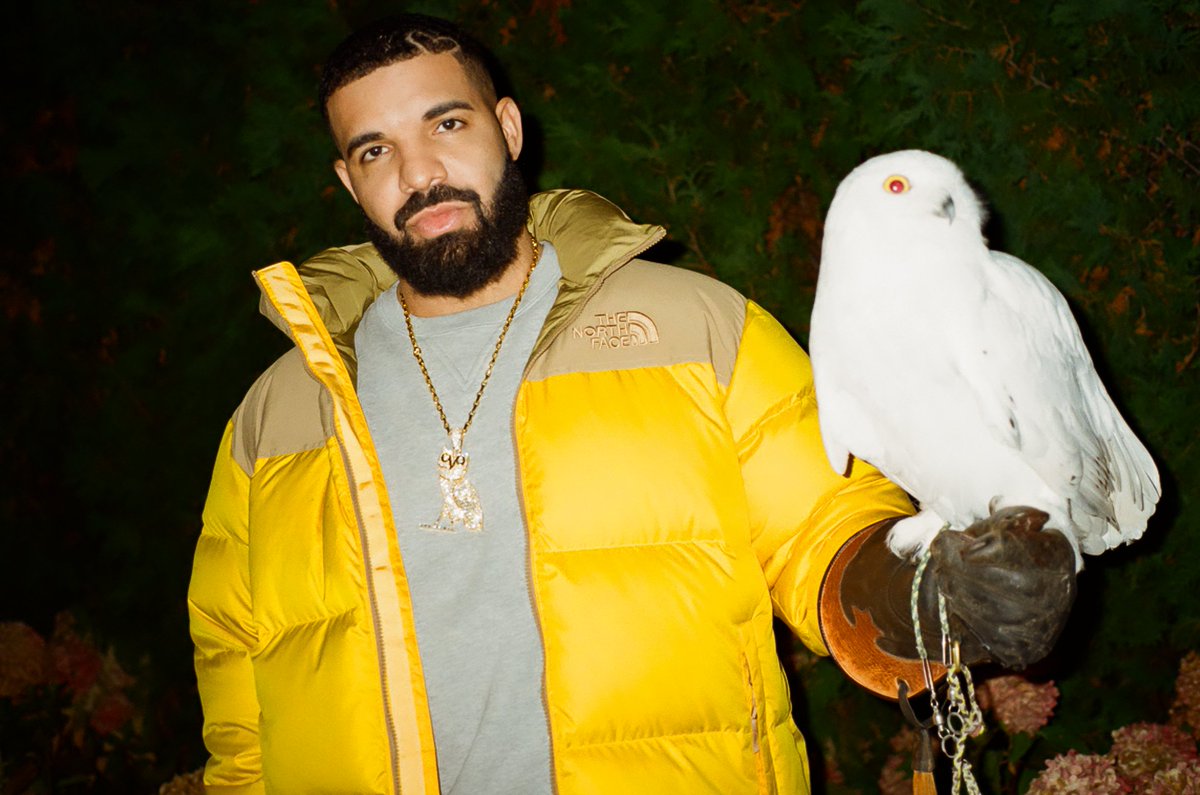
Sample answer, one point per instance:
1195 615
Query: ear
509 117
339 166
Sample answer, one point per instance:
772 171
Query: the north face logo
618 330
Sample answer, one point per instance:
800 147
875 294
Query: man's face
428 158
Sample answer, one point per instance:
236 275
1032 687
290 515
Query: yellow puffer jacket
675 492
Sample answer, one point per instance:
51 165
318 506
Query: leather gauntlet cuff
866 618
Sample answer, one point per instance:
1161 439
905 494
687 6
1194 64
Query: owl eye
896 184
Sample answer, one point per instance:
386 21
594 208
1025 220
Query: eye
896 184
449 125
372 152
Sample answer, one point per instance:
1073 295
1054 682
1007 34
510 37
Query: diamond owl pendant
461 509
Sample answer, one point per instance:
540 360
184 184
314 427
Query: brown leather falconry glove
1008 586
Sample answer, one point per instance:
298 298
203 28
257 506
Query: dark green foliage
156 153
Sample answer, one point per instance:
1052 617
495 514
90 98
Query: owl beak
946 210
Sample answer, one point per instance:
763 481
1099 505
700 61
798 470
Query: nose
421 170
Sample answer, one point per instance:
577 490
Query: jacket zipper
533 602
376 623
380 652
537 613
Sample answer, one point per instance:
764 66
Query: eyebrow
446 107
362 139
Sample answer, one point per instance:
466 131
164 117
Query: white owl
959 372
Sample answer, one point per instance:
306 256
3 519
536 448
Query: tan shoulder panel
285 411
649 315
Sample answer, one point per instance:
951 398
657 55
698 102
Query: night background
155 153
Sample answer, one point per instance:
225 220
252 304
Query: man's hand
1008 585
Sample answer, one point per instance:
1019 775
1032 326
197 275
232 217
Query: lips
438 219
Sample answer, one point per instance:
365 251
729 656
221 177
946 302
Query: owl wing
1039 392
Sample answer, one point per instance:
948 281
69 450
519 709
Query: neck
506 286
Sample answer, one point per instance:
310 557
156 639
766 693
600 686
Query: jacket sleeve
801 511
223 631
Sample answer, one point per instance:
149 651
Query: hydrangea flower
1141 750
895 779
1185 712
1019 705
74 662
833 773
95 682
896 776
1079 774
1183 779
185 784
22 658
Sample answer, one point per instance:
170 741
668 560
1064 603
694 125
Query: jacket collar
592 236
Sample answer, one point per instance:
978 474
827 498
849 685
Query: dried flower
111 713
896 776
1185 712
74 662
1078 774
833 773
1019 705
1183 779
185 784
95 682
1141 750
22 659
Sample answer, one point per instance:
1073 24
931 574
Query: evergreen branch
1183 143
944 20
1190 356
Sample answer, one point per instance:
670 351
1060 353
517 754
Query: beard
458 263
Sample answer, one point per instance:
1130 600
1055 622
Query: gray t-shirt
479 641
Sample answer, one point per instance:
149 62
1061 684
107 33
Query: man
515 513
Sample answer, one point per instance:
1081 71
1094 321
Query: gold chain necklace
460 502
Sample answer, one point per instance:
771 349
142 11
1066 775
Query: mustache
435 195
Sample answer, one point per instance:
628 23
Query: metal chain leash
962 717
